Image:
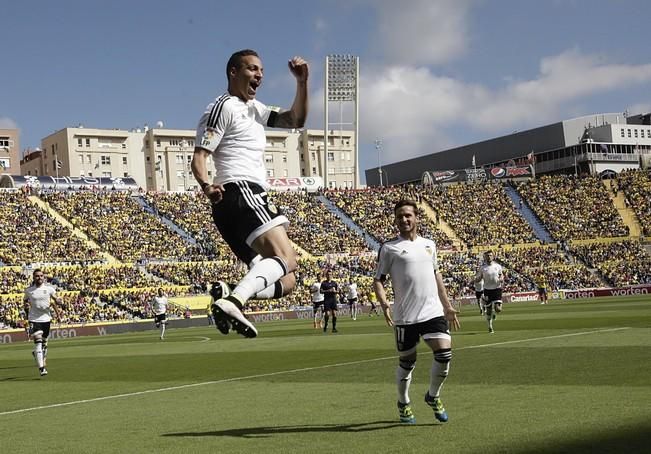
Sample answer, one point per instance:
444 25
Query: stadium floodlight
341 85
342 77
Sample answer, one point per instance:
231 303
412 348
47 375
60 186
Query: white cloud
422 32
7 123
413 107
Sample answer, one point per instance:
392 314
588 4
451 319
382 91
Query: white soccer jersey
412 266
492 275
39 302
160 305
351 291
315 290
233 131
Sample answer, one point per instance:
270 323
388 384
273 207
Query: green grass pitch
569 377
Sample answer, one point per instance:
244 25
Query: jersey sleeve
213 124
266 114
383 263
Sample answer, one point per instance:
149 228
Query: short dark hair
37 270
236 59
405 202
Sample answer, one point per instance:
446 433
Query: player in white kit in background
492 275
37 305
159 307
421 308
352 297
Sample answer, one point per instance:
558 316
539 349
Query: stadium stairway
527 213
370 241
75 231
627 214
175 228
443 226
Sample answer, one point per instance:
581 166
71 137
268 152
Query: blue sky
434 74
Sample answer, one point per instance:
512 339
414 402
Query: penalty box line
284 372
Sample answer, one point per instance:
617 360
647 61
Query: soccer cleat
406 414
334 330
221 319
437 406
490 330
43 371
229 309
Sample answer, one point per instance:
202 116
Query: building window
107 174
80 143
179 159
648 133
174 142
284 159
126 174
88 160
81 159
158 142
313 156
313 170
284 172
635 131
270 173
331 156
105 160
622 132
87 143
629 132
124 160
268 158
124 146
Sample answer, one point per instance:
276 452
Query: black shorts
159 318
330 305
493 296
542 291
479 294
408 336
40 326
243 215
352 301
316 306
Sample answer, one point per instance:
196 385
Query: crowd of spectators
372 210
314 228
480 213
117 222
29 234
549 266
191 212
621 263
573 207
636 185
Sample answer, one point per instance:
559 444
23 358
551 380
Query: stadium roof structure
512 147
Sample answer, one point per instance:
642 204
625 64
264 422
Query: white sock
261 275
403 380
162 329
38 349
274 291
439 371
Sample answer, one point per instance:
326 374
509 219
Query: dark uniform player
330 290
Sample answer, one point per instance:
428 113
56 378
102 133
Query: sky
434 74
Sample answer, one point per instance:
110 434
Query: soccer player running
317 303
421 308
231 130
491 273
330 290
479 293
351 296
159 307
37 299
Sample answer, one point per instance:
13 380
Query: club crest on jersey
272 208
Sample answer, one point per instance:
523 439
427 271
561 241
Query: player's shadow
263 432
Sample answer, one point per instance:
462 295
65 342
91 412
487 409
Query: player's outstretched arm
295 117
381 294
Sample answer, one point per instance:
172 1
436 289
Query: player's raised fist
299 68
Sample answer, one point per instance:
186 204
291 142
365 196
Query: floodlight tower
341 85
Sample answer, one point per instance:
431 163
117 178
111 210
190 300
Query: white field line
284 372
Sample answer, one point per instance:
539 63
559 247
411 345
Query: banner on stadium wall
310 184
598 292
47 183
477 174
